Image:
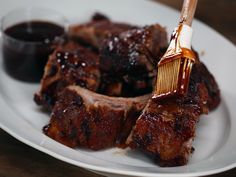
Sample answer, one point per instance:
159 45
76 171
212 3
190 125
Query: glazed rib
128 61
82 118
84 67
94 32
118 59
166 128
69 64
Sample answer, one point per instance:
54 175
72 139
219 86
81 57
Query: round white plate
215 141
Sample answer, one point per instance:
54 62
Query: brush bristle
173 77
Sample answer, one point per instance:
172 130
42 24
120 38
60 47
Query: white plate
215 141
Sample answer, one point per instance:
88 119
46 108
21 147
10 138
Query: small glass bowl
24 59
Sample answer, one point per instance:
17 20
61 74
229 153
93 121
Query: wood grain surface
20 160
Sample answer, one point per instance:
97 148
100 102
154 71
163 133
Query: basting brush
175 66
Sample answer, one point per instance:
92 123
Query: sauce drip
26 47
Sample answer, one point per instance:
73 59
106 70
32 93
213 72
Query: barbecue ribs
70 64
82 118
94 32
128 61
74 63
117 59
166 128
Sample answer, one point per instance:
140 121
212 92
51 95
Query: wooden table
20 160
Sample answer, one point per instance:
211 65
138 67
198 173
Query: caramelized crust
82 118
78 64
118 59
166 128
70 64
94 32
128 61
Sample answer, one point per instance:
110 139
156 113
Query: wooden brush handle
188 10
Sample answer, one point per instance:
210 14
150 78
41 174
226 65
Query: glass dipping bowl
28 37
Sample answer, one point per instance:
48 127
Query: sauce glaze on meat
93 85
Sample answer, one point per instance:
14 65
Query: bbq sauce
26 47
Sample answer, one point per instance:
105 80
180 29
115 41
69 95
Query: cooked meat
73 64
118 59
166 127
94 32
70 64
212 87
82 118
129 59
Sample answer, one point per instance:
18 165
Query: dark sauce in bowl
26 47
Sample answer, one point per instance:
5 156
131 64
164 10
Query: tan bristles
173 77
167 78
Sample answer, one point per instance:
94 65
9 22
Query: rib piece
82 118
166 128
56 77
95 31
212 87
129 59
70 64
